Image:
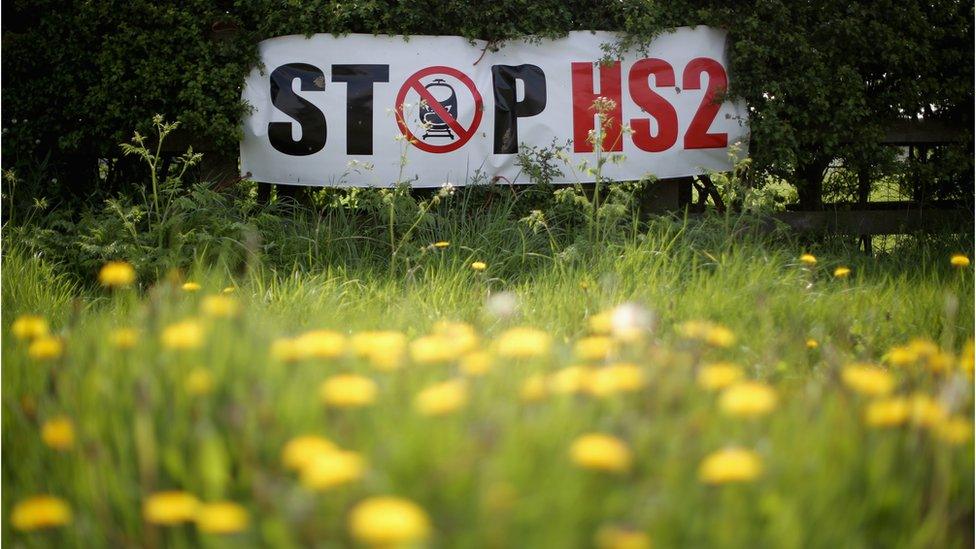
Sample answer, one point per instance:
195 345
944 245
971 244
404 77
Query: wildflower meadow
671 391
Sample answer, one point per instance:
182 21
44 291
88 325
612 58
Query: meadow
684 384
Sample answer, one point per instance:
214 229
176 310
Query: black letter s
308 116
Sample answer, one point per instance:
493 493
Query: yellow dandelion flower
533 388
348 391
462 335
719 375
228 290
190 287
812 344
616 378
219 306
170 508
923 347
432 349
59 433
570 380
618 537
715 335
448 342
29 327
955 430
124 338
842 272
222 517
959 261
966 357
901 356
720 336
362 343
602 323
868 380
442 398
601 452
808 259
46 348
40 512
327 470
925 411
325 344
593 348
117 274
730 465
748 399
199 382
476 363
299 451
887 412
183 335
440 245
523 343
286 349
383 349
387 521
694 329
940 362
479 266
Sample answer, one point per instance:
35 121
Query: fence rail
853 218
878 221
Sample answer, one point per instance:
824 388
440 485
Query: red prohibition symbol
450 120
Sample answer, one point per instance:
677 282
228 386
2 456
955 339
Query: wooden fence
861 218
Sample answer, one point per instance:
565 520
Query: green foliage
542 164
383 229
820 78
111 67
164 227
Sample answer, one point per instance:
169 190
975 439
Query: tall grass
497 472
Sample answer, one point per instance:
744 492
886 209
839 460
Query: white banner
364 110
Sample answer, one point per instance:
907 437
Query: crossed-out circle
463 134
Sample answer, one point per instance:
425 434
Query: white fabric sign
364 110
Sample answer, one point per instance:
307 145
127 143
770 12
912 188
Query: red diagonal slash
413 84
433 103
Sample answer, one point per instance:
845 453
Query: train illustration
434 124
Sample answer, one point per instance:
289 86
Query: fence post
665 196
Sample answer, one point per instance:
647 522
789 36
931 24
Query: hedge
820 76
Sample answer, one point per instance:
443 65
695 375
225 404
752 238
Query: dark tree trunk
809 183
264 193
288 191
78 173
